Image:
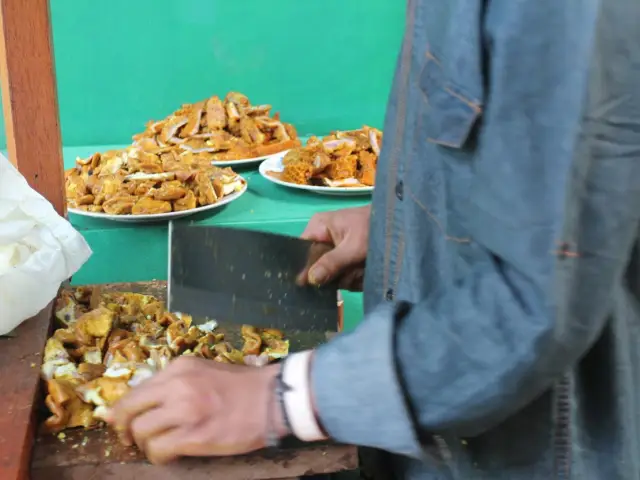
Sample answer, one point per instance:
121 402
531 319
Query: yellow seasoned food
342 159
170 166
221 129
108 343
132 181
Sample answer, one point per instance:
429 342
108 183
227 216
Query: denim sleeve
469 356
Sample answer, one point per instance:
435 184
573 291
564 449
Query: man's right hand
342 238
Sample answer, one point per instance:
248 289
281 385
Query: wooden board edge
313 460
20 361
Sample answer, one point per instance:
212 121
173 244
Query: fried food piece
91 371
298 172
205 190
95 323
193 124
237 99
276 345
67 309
249 131
188 202
367 167
75 187
252 340
150 206
173 190
106 187
216 116
59 395
170 128
342 167
120 205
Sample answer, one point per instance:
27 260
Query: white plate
247 161
158 217
274 164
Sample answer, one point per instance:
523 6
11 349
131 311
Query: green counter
124 252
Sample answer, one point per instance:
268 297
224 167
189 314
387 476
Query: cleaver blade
237 276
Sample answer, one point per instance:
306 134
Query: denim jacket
502 329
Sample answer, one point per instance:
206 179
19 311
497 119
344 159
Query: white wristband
297 397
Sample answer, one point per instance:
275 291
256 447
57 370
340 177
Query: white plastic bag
38 249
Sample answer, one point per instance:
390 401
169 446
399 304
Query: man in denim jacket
502 329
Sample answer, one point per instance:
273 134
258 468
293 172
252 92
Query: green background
324 65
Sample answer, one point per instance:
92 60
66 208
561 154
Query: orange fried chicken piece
342 168
298 172
150 206
367 167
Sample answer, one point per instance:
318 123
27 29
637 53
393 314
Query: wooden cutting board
96 453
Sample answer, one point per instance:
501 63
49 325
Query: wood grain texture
20 360
98 454
30 103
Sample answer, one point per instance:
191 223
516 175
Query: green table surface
125 252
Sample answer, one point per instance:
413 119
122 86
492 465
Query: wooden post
27 76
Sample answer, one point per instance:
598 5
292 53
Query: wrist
280 424
276 425
298 409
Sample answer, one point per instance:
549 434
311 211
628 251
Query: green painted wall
324 64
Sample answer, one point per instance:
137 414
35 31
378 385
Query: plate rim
247 161
312 188
161 216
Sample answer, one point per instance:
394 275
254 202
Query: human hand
196 407
340 251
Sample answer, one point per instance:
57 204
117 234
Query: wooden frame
27 76
30 101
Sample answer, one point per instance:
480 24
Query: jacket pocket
451 114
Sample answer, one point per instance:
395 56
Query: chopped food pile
169 166
220 130
110 342
133 181
342 159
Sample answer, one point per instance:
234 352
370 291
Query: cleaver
237 276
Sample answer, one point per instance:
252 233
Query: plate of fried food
107 343
229 131
342 163
137 185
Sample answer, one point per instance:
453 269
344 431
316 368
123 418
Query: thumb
331 264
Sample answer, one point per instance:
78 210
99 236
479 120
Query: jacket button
389 294
400 190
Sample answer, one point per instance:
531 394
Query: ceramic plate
274 164
159 217
247 162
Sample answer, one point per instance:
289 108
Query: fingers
332 264
195 442
137 402
166 447
156 422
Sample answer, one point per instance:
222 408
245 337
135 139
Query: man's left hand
198 407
